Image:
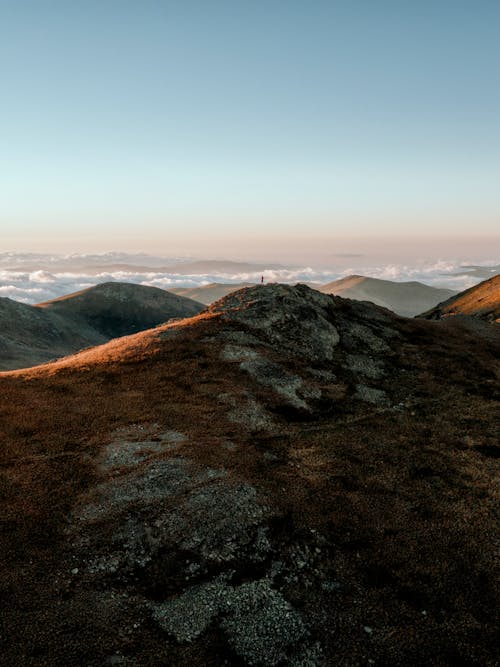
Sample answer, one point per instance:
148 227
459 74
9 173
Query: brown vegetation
379 512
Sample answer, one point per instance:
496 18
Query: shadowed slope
32 335
118 309
481 301
288 478
407 299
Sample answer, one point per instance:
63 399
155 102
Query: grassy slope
481 301
405 498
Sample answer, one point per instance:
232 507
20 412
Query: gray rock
244 410
189 615
261 626
271 374
361 336
169 504
130 453
371 395
296 319
362 364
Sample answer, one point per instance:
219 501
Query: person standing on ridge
262 280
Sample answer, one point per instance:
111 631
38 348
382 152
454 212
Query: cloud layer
34 285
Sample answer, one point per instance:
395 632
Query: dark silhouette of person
262 280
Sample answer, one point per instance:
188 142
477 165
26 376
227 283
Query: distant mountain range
407 299
35 334
218 266
109 262
404 298
478 271
207 294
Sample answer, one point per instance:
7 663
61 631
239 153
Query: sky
250 127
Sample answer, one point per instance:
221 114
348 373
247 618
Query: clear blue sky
170 120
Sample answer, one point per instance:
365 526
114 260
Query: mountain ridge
288 477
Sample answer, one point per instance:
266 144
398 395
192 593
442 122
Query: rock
217 520
130 453
261 626
296 319
187 616
362 364
244 410
371 395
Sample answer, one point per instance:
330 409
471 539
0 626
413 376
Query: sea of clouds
21 280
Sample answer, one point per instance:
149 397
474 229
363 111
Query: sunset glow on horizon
251 129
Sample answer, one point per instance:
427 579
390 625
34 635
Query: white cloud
41 284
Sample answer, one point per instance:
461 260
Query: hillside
406 299
207 294
481 301
32 335
288 478
119 309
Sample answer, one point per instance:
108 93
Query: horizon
34 277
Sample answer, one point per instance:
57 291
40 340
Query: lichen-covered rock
261 626
362 364
270 374
297 319
247 412
168 504
371 395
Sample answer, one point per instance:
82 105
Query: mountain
29 335
481 301
207 294
406 299
119 309
287 478
32 335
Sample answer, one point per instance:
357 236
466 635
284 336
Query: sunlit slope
481 301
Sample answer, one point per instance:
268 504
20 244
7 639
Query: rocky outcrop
348 345
298 319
